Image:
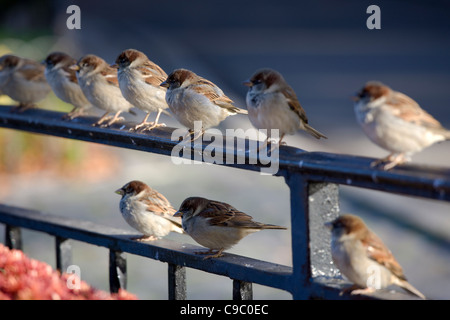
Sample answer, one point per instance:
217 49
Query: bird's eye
257 81
363 94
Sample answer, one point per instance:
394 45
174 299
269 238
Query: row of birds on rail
389 118
358 252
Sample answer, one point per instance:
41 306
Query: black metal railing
313 179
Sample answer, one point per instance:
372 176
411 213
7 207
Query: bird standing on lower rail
363 258
147 211
217 225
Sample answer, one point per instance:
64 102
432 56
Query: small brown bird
139 81
23 80
64 83
273 105
363 258
147 211
192 98
217 225
101 87
395 122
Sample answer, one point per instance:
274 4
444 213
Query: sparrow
193 98
101 87
216 225
147 211
139 81
363 258
273 105
64 83
23 80
395 122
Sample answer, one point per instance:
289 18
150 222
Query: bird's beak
247 83
164 84
355 98
115 66
329 225
74 67
178 214
119 191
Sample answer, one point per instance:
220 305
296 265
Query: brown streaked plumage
273 105
193 98
23 80
147 211
217 225
363 258
99 83
64 83
395 122
139 81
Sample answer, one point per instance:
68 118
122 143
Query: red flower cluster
22 278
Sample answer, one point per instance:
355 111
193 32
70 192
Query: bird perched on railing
395 122
147 211
192 98
64 83
217 225
363 258
23 80
139 81
273 105
101 87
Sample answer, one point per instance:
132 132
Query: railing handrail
237 267
234 266
410 179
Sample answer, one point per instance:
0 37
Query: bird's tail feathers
314 132
410 288
447 134
241 111
272 226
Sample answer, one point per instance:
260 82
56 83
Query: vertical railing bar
63 253
323 204
13 237
301 270
117 271
242 290
177 282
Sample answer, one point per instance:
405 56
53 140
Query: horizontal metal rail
426 182
242 270
312 177
174 253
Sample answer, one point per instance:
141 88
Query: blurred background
324 50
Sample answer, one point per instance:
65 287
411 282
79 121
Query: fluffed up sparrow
64 83
192 98
139 81
101 87
363 258
23 80
217 225
147 211
395 122
273 104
